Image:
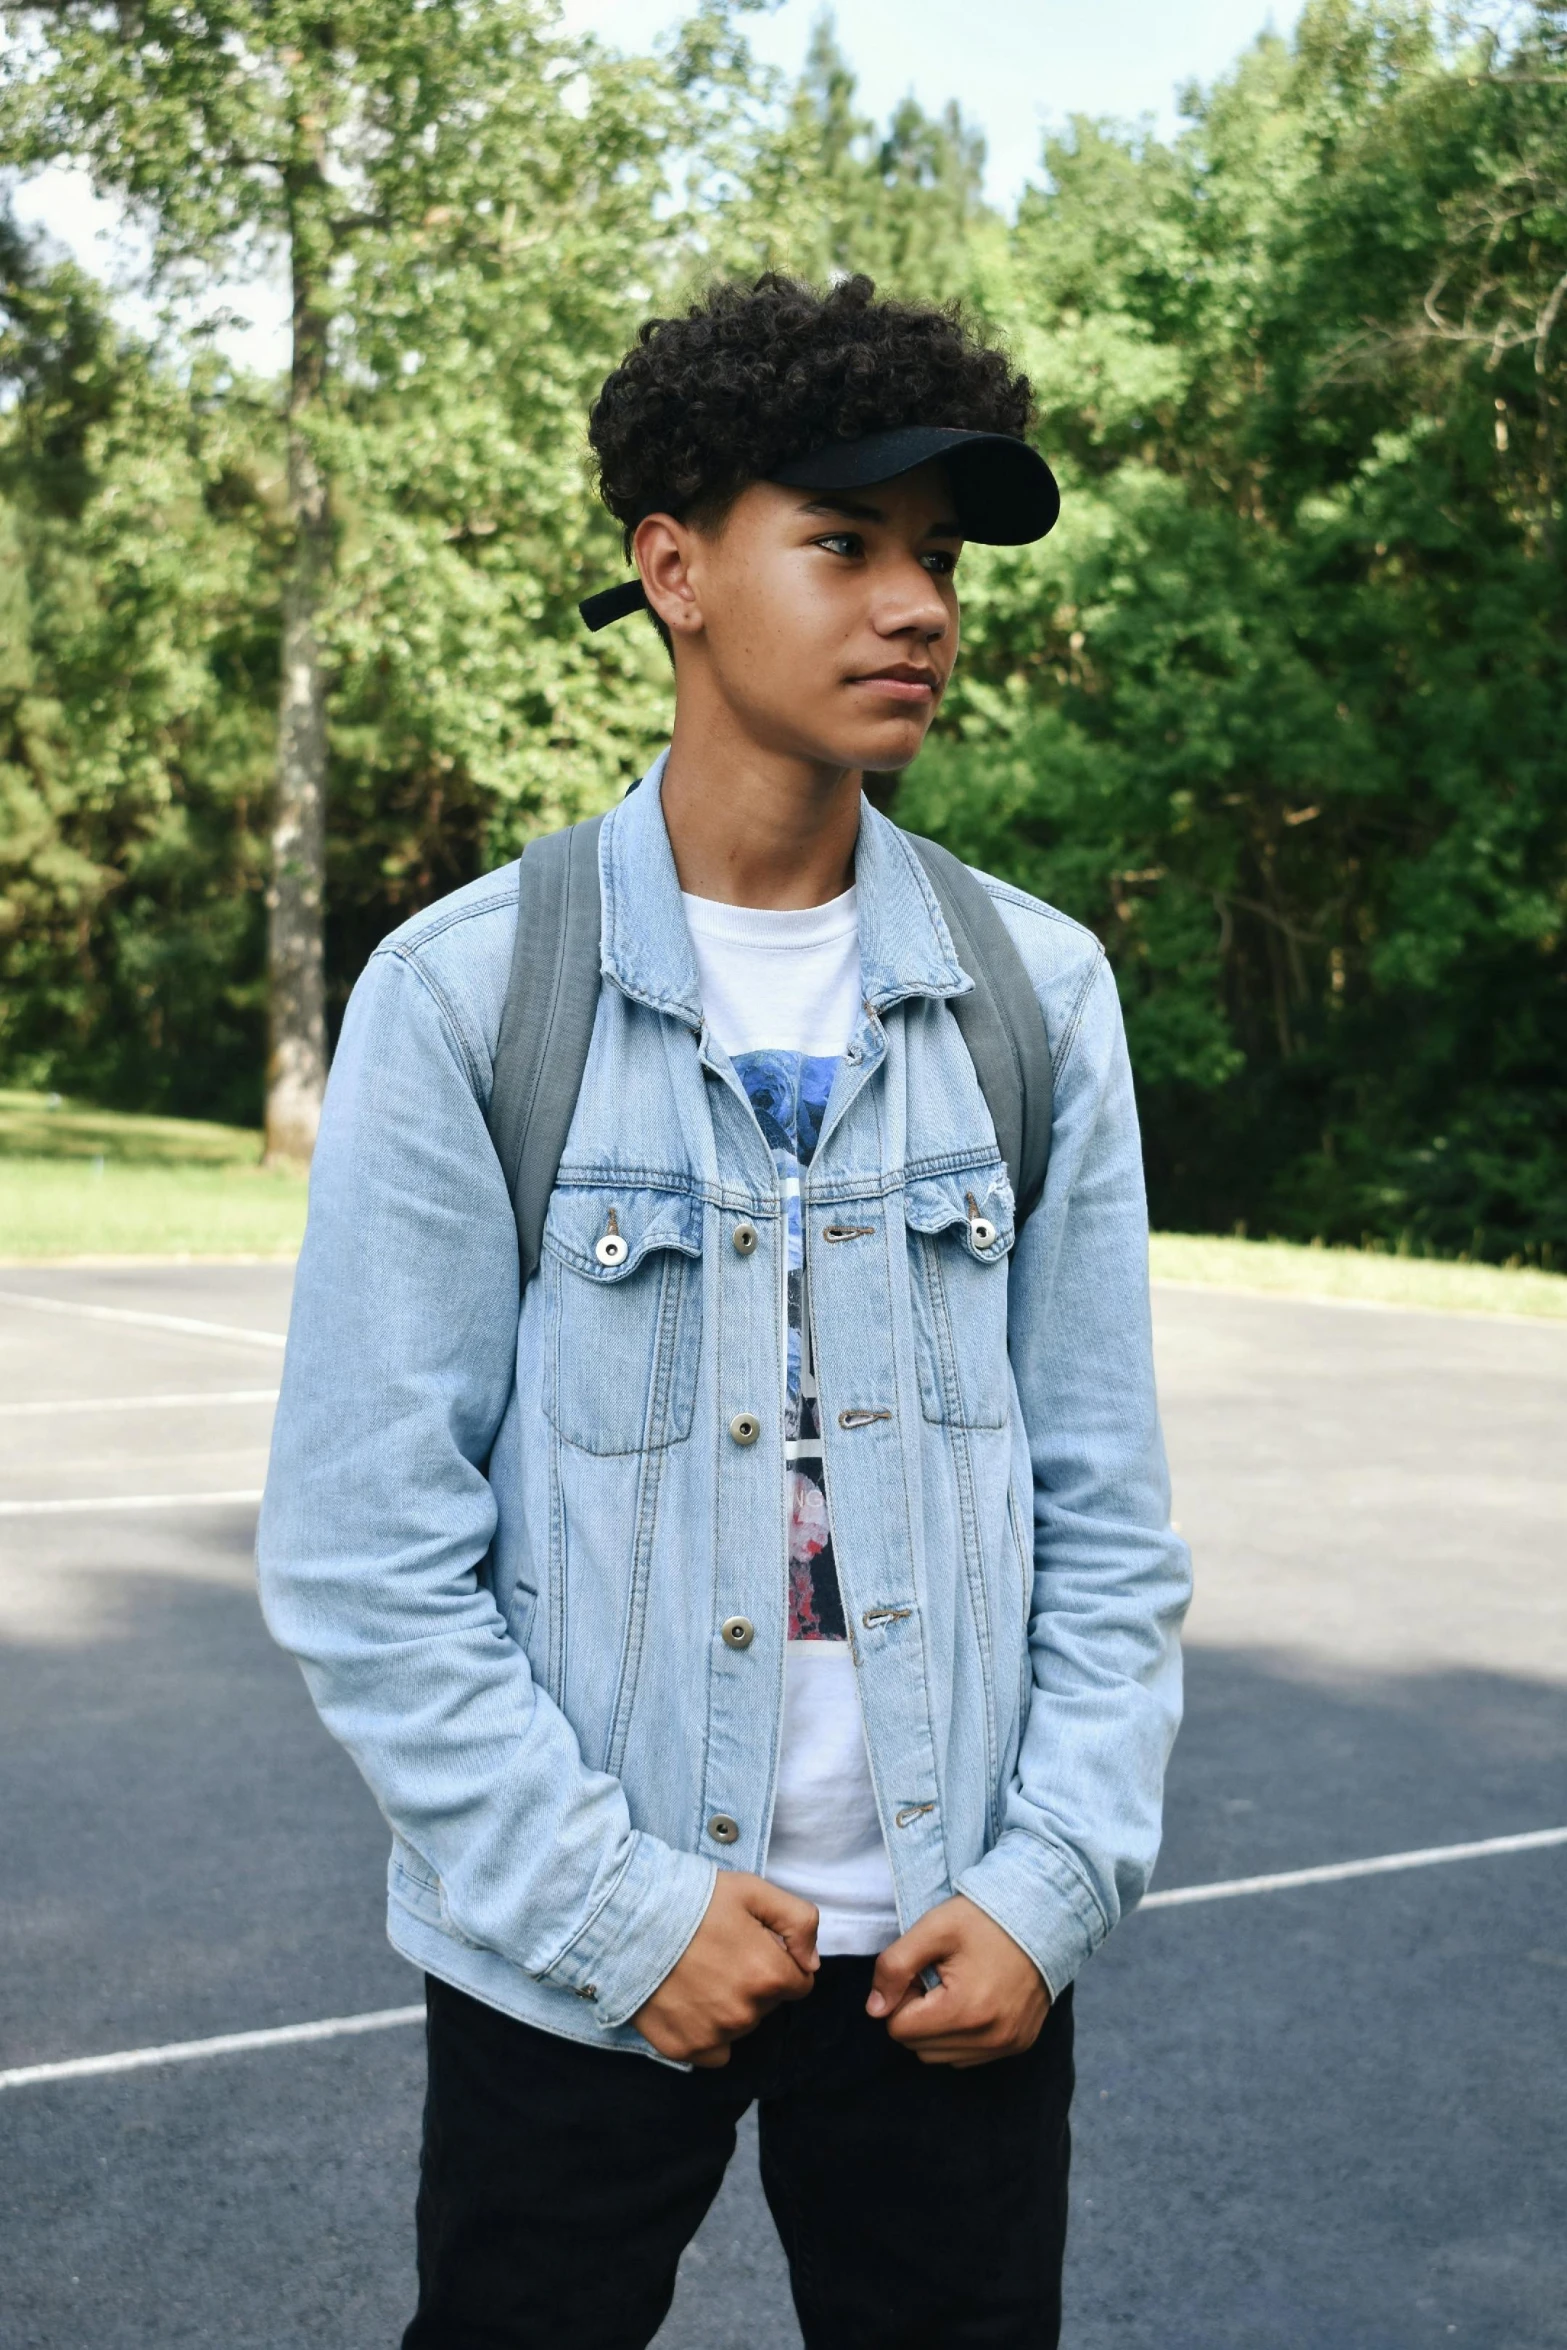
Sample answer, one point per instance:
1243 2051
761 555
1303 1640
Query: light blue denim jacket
502 1545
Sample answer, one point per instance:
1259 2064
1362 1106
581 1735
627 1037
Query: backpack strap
1000 1022
547 1022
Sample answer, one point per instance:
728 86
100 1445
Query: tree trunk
296 1062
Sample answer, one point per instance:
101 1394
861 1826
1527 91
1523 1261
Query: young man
761 1635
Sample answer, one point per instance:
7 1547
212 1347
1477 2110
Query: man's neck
753 827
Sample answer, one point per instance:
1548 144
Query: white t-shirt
781 993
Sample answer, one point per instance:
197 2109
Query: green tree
812 186
1280 700
1276 709
388 157
137 657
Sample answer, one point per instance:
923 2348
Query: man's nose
914 606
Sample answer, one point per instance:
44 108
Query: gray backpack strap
1000 1022
547 1022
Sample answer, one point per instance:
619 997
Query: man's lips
901 683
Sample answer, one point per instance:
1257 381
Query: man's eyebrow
850 507
855 510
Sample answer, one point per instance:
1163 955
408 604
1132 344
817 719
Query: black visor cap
1004 492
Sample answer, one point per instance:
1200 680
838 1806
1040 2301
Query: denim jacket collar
905 946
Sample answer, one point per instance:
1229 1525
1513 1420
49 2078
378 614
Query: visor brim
1006 495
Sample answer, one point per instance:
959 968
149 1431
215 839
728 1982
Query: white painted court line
1338 1871
126 1501
132 1403
385 2019
143 1320
135 2060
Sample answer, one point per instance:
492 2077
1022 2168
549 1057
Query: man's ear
663 549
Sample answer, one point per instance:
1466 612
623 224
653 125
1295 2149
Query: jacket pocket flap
964 1204
605 1231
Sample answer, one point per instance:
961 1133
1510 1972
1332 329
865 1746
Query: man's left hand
991 2000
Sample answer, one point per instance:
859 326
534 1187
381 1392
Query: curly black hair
753 375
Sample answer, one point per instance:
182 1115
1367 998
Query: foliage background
1276 710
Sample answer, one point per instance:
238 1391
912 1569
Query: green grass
48 1126
77 1182
1364 1276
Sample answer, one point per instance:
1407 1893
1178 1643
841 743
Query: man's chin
886 751
872 750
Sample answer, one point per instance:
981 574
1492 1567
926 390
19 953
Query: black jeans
920 2208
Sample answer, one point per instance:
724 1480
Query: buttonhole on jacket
847 1231
860 1417
884 1615
588 1991
911 1811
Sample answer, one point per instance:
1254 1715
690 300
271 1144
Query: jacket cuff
1035 1893
639 1931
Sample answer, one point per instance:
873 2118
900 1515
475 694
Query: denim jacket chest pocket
622 1269
960 1230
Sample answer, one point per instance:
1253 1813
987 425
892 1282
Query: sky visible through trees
1277 710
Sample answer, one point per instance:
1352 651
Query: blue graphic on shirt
788 1092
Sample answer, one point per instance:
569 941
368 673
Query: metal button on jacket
723 1829
737 1631
612 1249
744 1239
981 1230
745 1427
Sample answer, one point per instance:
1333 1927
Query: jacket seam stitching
883 1184
438 924
591 1920
684 1185
674 1007
912 861
1027 904
1074 1018
661 1420
448 1013
863 1185
617 951
1053 1851
958 1431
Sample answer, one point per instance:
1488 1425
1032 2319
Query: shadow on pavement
1324 2118
1330 2119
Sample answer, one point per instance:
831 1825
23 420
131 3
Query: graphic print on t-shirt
788 1092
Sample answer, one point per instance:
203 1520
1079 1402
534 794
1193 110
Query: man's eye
843 542
941 561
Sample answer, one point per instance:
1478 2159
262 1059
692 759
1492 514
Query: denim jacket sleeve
378 1517
1080 1829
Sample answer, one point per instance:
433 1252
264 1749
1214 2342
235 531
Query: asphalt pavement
1327 2117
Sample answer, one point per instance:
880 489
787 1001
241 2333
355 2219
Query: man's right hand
755 1948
